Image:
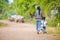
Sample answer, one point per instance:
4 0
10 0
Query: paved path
21 31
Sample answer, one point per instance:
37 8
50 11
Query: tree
25 7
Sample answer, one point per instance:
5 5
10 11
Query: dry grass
55 31
3 24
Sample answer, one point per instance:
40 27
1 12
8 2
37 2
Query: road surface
21 31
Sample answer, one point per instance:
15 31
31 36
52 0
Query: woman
38 16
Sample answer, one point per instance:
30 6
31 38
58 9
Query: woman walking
38 16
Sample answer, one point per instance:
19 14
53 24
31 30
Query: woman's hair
38 8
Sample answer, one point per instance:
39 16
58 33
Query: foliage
52 22
58 17
25 7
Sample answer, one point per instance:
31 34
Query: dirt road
21 31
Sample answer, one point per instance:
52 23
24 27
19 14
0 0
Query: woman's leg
37 25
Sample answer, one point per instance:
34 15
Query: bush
52 22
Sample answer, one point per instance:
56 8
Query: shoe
44 32
38 32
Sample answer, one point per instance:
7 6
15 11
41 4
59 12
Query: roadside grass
55 31
3 24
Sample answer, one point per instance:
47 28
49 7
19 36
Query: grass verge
2 24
